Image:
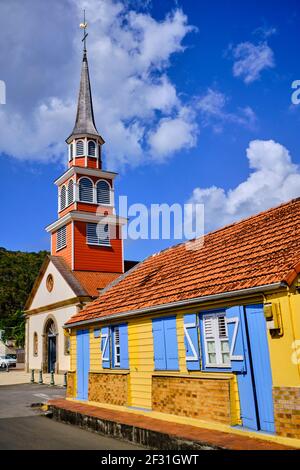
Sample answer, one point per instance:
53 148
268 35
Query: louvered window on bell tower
103 192
79 148
85 190
63 198
70 192
71 152
97 234
61 238
91 148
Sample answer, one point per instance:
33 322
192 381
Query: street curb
141 436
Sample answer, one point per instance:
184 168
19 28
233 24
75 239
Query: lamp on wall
273 318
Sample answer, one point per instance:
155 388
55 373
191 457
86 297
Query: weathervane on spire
83 26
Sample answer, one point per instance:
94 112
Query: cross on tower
83 26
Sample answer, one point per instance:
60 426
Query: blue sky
192 98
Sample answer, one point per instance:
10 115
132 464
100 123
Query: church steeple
85 140
85 121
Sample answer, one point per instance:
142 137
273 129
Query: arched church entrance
50 346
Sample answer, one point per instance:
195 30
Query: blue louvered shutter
103 192
171 343
86 190
105 347
124 362
160 361
192 350
236 339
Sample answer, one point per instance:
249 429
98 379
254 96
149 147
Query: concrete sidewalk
157 433
15 377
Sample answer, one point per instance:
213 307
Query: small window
70 192
61 238
99 152
35 344
91 148
103 192
67 344
216 341
85 190
80 148
63 198
116 346
50 283
97 234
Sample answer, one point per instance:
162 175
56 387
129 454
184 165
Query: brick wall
287 411
108 388
71 385
207 399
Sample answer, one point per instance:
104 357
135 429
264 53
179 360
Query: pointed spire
85 121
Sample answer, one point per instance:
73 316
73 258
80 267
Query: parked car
9 360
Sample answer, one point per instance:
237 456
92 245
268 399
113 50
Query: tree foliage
18 271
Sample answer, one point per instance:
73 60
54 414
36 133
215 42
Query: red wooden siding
70 208
95 208
79 161
66 253
96 258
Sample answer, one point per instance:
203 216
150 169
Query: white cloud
213 109
172 134
274 179
251 60
134 98
265 31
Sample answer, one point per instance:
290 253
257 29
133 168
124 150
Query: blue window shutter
124 362
79 354
105 347
236 339
191 342
171 343
160 362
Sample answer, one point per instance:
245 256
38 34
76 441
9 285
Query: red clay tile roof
92 281
258 251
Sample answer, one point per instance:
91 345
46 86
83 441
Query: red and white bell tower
87 233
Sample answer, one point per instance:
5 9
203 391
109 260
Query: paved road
21 427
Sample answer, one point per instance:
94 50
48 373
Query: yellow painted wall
141 362
95 352
285 371
73 350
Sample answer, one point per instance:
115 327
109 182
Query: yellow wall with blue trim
285 370
285 365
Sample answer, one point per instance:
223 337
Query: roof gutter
183 303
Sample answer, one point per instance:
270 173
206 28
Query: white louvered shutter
70 192
97 234
61 238
79 148
63 198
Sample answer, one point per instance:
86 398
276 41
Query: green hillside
18 271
